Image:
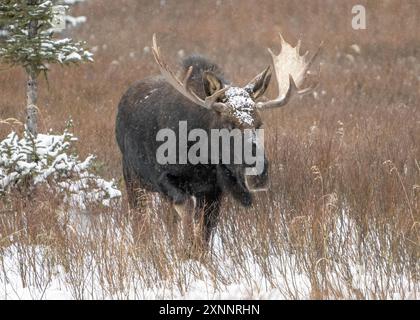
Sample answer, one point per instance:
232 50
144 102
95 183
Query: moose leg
171 190
132 186
186 212
194 229
209 206
136 201
183 204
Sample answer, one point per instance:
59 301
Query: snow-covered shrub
71 21
47 160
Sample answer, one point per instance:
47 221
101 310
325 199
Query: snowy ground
286 281
13 288
57 287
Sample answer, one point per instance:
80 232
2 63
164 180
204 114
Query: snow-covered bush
47 160
72 21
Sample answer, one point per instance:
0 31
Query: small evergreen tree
31 43
28 40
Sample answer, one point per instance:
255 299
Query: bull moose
204 99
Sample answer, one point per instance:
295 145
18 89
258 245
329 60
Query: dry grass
343 210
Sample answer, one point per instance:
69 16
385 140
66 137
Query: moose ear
259 84
211 83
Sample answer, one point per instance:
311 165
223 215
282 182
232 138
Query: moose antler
182 86
290 69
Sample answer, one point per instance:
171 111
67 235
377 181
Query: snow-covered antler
290 69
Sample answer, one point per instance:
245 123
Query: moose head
238 105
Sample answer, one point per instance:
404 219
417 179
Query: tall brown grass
345 162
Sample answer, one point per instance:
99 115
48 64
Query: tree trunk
32 84
31 108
